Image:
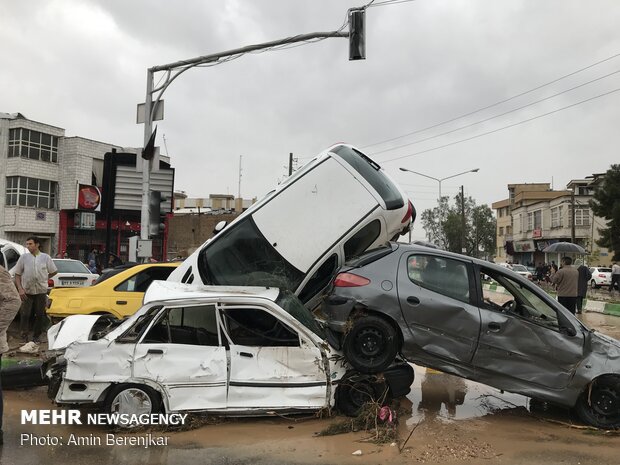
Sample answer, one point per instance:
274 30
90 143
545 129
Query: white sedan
234 350
71 273
522 270
600 277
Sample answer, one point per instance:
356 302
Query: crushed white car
226 350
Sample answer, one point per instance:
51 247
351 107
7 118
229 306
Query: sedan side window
438 274
501 293
258 328
11 258
186 325
141 281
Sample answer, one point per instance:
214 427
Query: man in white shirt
615 277
32 271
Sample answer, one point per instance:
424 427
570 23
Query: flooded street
453 421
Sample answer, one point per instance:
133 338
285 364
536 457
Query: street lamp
439 180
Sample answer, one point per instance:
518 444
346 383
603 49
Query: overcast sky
81 65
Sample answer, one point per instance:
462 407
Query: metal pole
463 220
146 164
572 229
439 191
290 163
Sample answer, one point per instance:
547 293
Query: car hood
71 329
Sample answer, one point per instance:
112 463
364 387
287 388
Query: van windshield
372 173
243 257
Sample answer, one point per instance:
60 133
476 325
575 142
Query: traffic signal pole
356 35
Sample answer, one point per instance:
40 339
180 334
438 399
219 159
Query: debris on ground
29 348
379 421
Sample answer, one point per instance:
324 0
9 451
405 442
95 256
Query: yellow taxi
120 295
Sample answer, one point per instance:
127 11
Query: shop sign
524 246
84 220
88 198
537 232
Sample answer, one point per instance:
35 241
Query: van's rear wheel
371 344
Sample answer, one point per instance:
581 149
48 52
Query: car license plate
72 283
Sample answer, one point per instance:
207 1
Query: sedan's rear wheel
371 345
593 284
600 404
357 390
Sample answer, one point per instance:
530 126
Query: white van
10 253
337 206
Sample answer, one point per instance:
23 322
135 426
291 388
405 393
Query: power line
494 104
388 2
495 116
504 127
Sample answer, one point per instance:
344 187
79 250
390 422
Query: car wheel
593 285
355 391
600 405
371 344
132 399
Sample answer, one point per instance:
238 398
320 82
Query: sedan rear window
372 173
70 266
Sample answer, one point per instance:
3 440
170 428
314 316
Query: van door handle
155 351
246 354
413 300
121 302
495 327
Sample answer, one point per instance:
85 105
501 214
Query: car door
182 352
437 303
127 296
524 338
272 363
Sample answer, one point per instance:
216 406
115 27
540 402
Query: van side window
11 258
362 239
243 257
319 279
372 173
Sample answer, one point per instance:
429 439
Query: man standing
582 286
31 274
9 305
566 280
615 277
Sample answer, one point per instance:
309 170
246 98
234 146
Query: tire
371 345
600 404
593 285
132 399
355 391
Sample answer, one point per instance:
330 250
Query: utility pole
240 170
572 227
290 163
463 234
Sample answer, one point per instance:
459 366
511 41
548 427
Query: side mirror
218 227
569 331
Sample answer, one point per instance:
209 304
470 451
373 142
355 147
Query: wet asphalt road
436 398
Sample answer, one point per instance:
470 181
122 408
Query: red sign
537 232
88 198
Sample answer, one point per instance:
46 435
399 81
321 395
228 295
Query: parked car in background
233 350
601 276
10 253
71 273
120 295
335 207
433 308
522 271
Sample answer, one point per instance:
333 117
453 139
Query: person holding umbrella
566 280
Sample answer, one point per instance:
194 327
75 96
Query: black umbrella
564 247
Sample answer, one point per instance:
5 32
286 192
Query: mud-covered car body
435 308
233 350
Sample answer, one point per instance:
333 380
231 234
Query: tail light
409 214
602 276
350 280
50 283
93 281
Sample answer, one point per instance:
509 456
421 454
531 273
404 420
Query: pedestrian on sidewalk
32 271
566 280
615 277
9 305
582 286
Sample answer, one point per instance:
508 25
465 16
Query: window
508 230
186 325
30 192
11 258
258 328
514 298
362 239
70 266
142 280
501 230
372 173
243 257
582 217
556 217
319 279
442 275
35 145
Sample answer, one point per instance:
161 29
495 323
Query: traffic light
155 224
357 34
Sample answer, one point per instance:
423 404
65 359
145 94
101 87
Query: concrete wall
187 232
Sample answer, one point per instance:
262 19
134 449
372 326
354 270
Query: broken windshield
293 306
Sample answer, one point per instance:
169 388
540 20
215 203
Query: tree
444 227
606 204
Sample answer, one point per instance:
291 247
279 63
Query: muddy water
450 421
